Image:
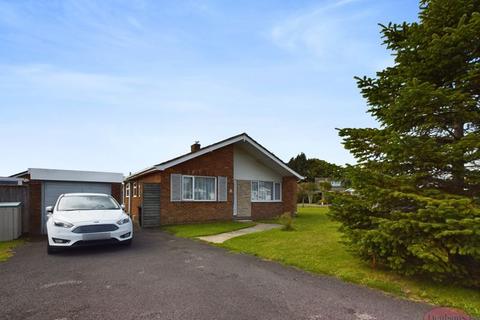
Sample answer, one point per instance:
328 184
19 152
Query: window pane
277 191
187 188
254 190
265 190
204 188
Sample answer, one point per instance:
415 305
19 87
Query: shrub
286 220
437 236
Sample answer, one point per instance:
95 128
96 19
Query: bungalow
236 178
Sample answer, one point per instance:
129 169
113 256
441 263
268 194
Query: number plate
97 236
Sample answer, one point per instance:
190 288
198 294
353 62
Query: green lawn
6 248
206 229
315 247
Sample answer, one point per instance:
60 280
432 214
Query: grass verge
6 248
314 246
206 229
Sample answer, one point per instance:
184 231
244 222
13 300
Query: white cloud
49 85
326 32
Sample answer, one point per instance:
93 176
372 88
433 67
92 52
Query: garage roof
72 175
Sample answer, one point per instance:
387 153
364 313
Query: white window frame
127 190
280 192
273 191
135 194
193 189
251 190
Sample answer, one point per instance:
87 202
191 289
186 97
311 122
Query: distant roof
71 175
238 138
11 181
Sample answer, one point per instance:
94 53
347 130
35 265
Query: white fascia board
224 144
9 204
74 175
141 172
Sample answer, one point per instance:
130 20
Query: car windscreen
70 203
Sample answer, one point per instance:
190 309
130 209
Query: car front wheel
52 249
126 243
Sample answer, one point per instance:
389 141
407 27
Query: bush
286 220
320 201
434 235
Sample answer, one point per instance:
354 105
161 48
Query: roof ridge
225 142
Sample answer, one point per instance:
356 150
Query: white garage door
52 190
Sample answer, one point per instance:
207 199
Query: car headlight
62 224
123 221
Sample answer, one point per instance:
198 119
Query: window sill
266 201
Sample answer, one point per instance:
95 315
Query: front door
150 213
243 198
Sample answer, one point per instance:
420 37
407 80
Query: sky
122 85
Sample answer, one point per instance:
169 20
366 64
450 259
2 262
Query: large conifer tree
416 207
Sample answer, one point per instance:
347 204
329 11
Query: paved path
222 237
163 277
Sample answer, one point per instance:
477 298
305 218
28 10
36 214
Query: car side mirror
122 206
49 209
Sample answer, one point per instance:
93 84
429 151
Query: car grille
95 228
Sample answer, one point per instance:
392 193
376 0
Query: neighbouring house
236 178
39 188
337 185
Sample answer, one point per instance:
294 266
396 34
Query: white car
87 218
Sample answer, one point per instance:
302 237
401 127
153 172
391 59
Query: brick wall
289 194
266 210
154 177
117 191
217 163
126 201
35 191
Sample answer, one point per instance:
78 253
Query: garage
46 185
53 189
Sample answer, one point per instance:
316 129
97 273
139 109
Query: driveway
163 277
